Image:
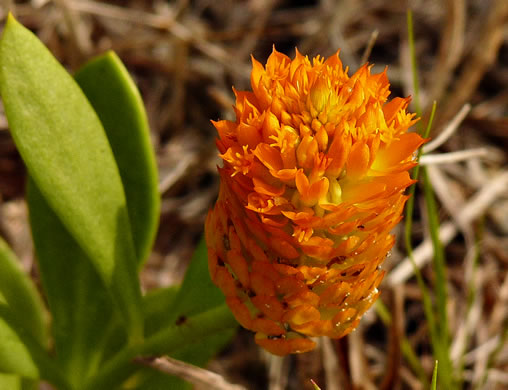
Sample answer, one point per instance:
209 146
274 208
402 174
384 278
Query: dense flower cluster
315 168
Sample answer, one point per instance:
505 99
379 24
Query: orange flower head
315 168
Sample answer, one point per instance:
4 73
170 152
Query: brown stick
192 374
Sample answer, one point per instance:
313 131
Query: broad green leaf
80 305
67 153
197 293
11 382
28 384
115 98
19 293
22 354
187 302
197 329
155 306
16 382
15 357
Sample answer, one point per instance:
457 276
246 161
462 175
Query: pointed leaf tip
10 21
95 214
10 18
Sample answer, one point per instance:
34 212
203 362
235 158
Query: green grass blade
414 65
438 327
439 265
427 301
434 377
411 201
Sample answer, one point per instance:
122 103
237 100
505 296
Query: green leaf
21 354
115 98
15 357
21 301
28 384
67 153
23 333
196 329
170 307
189 323
191 299
19 293
15 382
155 305
188 302
80 305
11 382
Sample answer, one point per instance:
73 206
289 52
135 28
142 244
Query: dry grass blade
482 57
452 157
450 47
360 376
448 131
277 372
472 210
370 46
330 364
392 375
165 23
195 375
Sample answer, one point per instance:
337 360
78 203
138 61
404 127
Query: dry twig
190 373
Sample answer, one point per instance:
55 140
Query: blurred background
185 56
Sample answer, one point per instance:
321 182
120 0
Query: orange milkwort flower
315 168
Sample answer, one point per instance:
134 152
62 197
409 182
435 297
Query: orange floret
315 169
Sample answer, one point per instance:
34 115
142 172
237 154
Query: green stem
439 265
427 302
414 66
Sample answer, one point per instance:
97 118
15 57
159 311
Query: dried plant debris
185 55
